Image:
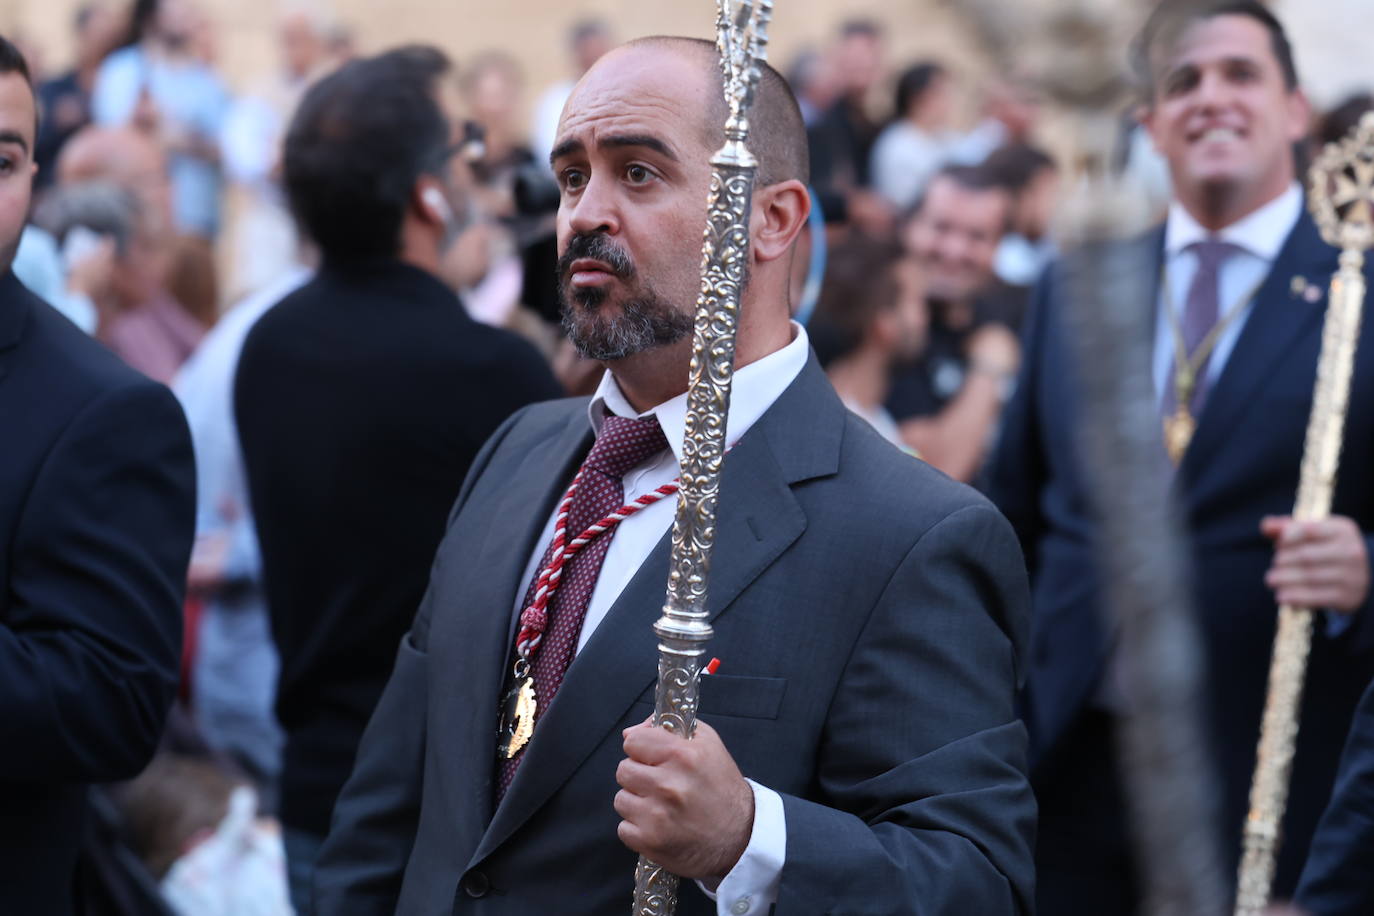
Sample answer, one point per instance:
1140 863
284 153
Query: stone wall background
531 30
1334 44
1333 38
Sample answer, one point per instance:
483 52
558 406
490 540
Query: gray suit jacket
870 615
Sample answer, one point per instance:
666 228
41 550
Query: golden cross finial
1342 189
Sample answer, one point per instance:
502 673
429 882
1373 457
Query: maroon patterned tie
621 445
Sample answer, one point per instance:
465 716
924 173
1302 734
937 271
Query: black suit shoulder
71 391
403 328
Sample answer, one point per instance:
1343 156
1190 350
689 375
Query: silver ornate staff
741 36
1342 202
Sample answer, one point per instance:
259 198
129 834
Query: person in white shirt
918 141
858 750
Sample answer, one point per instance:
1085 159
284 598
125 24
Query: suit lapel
1278 320
760 519
496 577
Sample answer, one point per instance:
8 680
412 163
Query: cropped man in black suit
97 511
361 400
1225 110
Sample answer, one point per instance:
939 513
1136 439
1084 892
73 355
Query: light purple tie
1201 311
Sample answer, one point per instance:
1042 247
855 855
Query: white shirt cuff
751 888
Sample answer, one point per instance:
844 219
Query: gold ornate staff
1342 201
742 38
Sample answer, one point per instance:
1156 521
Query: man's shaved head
633 170
777 134
118 154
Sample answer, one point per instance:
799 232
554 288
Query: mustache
596 247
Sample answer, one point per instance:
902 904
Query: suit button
476 884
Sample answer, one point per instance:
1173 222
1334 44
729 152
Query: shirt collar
1262 233
754 389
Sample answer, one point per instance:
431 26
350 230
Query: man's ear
429 201
1144 115
1299 115
780 212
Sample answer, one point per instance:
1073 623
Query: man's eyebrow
647 141
13 136
566 148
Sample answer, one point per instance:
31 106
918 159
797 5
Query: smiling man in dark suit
97 510
859 751
1243 274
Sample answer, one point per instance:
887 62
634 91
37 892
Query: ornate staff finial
1341 186
1341 198
742 39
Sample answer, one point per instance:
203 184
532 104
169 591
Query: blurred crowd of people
223 243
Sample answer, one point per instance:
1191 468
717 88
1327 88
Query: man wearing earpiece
361 400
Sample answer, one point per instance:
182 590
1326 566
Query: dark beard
646 319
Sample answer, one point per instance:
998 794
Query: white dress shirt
752 885
1259 236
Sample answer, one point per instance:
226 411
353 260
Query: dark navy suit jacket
1242 465
97 513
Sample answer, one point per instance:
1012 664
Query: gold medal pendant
1178 432
518 708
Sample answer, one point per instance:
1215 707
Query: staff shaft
683 629
1293 639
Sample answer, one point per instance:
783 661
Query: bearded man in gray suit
858 751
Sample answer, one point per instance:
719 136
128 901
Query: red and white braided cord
534 619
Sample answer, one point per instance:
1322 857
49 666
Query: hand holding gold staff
1341 196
